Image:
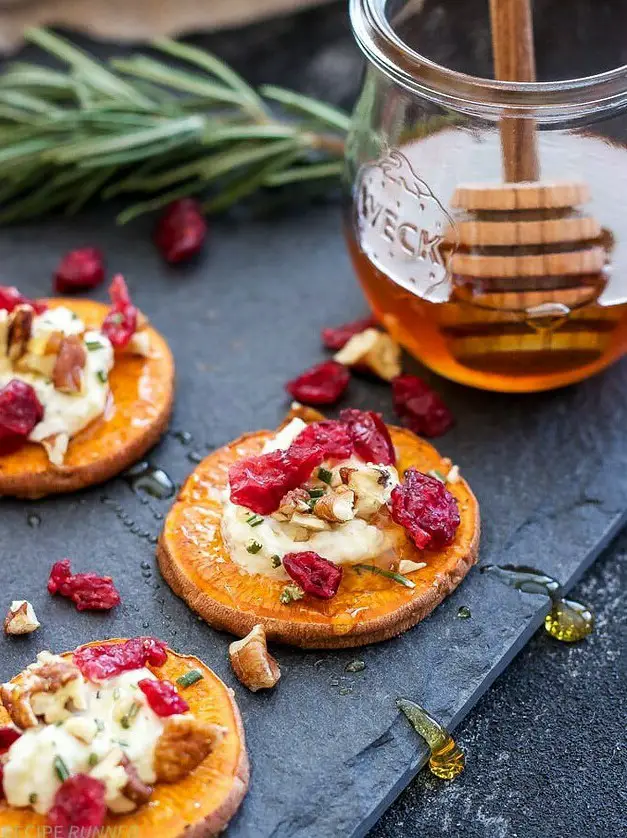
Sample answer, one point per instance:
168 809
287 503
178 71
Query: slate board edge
532 626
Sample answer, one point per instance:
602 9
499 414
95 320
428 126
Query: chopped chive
276 561
32 799
325 475
190 678
93 760
254 520
99 725
126 720
437 474
254 547
116 693
101 375
389 574
291 593
74 316
97 694
61 769
122 742
316 493
93 345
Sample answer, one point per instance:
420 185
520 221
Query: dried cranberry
259 483
8 735
426 509
120 324
338 336
87 591
370 436
322 384
181 231
78 804
10 298
420 407
20 411
163 697
316 576
78 270
97 663
331 436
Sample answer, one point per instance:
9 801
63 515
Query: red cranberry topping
20 411
8 735
338 336
163 697
120 324
316 576
97 663
426 509
78 270
259 483
87 591
370 436
10 298
78 804
181 231
420 407
322 384
331 436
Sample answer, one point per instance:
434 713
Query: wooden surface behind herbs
161 128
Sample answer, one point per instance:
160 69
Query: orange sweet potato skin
366 609
203 803
142 391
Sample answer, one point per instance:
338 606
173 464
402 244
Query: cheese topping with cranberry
90 728
73 388
332 517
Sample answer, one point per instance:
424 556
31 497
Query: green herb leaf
191 677
325 475
316 493
254 547
291 593
389 574
93 760
275 561
127 720
101 375
93 345
61 769
254 520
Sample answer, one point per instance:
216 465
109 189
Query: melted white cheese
348 543
64 414
90 742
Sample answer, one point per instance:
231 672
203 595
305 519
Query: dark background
546 745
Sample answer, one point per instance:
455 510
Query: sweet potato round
201 805
142 390
367 608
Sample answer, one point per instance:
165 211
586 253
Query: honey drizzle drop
447 758
568 620
144 477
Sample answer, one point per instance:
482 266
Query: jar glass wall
509 286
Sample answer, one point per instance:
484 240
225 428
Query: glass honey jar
495 271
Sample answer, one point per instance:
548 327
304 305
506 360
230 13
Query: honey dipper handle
514 60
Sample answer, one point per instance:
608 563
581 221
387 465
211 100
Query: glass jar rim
566 100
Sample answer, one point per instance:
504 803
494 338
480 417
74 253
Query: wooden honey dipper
523 244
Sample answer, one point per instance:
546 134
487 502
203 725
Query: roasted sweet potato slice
142 390
366 609
201 805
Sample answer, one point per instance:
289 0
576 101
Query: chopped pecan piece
336 506
20 329
50 689
135 790
296 500
67 375
21 618
56 447
373 351
185 742
253 665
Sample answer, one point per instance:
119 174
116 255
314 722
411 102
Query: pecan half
67 375
20 329
51 689
21 618
185 742
253 665
373 351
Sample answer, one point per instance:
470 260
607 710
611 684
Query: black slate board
550 472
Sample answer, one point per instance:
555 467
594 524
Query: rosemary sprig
178 122
389 574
